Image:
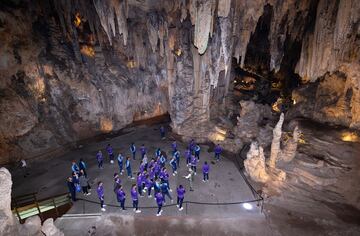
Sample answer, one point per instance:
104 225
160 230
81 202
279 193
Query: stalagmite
275 145
289 151
255 163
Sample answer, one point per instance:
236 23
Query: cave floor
48 177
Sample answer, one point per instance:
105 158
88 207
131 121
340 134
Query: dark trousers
111 156
206 176
142 155
140 190
180 201
217 156
166 194
100 164
197 154
120 167
129 172
102 203
149 191
162 134
159 208
133 154
85 189
135 204
73 195
193 168
122 204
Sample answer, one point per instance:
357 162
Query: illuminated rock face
73 69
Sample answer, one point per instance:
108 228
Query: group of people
152 174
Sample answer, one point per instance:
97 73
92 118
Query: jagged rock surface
255 164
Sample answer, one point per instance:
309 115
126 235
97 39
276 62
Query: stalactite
224 8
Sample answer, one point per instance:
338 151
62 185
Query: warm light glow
294 102
301 139
219 130
106 125
131 64
349 137
178 52
87 51
247 206
77 20
275 106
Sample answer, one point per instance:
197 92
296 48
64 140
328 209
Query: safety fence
28 205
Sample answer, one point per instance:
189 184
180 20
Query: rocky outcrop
255 164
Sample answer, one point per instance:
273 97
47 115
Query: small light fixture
247 206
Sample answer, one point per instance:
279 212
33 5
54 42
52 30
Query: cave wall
73 69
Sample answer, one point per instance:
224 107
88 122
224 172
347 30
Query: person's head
100 184
218 144
108 145
74 173
128 158
81 160
138 174
142 145
73 162
205 162
99 151
69 179
81 172
116 175
133 186
120 186
132 143
180 186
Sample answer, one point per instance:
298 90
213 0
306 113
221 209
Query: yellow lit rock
349 137
87 50
77 20
106 125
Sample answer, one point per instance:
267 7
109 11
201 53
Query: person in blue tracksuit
165 190
162 132
193 163
177 157
121 196
149 183
72 188
162 161
110 152
157 186
128 168
197 151
117 182
75 167
174 146
139 180
142 151
191 145
160 200
158 152
133 150
100 192
82 166
180 196
218 151
173 165
188 156
205 169
135 199
120 160
100 159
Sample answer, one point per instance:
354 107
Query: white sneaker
141 195
104 205
161 211
170 190
121 173
177 206
138 211
111 162
144 190
180 209
203 181
88 194
149 196
134 209
132 178
173 174
103 209
158 214
172 201
195 173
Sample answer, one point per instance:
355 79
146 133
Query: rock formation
255 164
74 69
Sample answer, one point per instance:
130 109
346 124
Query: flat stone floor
48 177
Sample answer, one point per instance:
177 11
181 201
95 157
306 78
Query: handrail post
57 212
186 208
16 209
37 206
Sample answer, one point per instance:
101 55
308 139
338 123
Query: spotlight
247 206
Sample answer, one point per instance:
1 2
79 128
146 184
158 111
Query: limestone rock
32 226
255 164
275 145
7 221
49 229
289 151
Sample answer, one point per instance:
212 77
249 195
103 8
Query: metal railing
28 205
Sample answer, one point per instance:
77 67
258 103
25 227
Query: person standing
159 198
165 190
162 132
128 168
188 156
197 151
110 152
177 158
149 183
142 151
191 145
121 196
139 180
100 193
84 183
133 150
158 153
74 167
145 162
191 177
72 188
23 166
218 151
193 163
162 161
173 165
206 169
100 159
117 182
82 166
135 199
180 196
120 160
